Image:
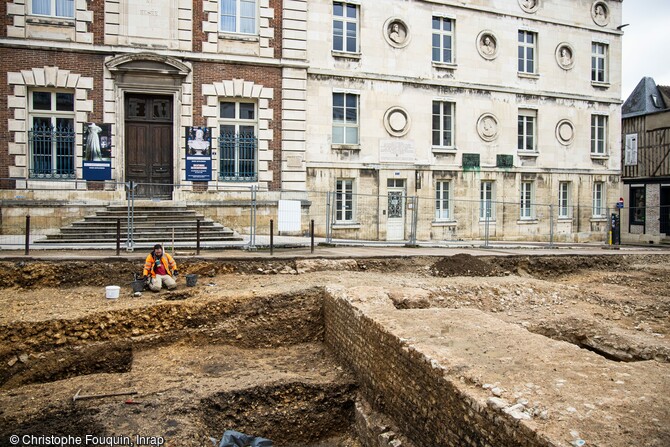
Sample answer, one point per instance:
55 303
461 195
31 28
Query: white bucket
112 292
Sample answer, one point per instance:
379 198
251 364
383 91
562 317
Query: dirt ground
243 349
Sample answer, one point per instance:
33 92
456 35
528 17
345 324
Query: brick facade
210 55
205 73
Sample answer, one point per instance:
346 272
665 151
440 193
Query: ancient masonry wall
407 386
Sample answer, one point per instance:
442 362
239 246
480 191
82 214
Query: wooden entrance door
148 143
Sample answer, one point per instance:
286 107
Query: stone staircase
152 225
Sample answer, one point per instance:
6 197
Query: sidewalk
292 247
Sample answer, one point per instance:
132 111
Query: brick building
184 98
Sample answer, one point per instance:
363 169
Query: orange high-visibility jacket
166 260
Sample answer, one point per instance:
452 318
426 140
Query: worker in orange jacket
161 269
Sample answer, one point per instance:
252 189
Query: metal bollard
272 237
311 230
118 237
27 250
197 237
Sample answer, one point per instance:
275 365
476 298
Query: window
526 200
486 209
527 43
598 199
564 200
443 40
344 200
52 136
443 124
598 134
238 16
54 8
526 130
442 208
345 118
598 62
238 143
637 205
345 27
630 151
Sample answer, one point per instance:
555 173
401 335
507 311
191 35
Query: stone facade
397 83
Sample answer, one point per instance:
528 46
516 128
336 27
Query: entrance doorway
665 210
148 144
395 223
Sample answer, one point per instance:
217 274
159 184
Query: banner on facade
97 151
198 154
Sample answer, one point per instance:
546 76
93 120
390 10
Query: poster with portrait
198 154
97 151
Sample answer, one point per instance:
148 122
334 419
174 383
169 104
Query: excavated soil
243 349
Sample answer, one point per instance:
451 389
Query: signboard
198 154
97 151
396 151
289 215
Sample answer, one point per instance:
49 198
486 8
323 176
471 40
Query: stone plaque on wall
151 20
396 151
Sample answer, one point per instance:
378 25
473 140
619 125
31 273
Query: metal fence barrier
287 218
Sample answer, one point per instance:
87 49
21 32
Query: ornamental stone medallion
529 6
487 45
487 127
565 56
600 13
565 132
396 121
396 32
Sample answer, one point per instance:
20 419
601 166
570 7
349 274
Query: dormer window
654 99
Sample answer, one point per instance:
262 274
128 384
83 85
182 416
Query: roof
646 98
665 93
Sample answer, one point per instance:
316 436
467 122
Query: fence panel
339 216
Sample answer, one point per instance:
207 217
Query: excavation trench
331 353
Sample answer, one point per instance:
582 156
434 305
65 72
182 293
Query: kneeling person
161 268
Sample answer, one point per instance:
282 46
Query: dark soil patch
465 265
54 423
290 414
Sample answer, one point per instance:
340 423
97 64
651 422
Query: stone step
191 214
150 223
142 223
144 241
112 234
106 237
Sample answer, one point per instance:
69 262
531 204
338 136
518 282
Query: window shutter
631 150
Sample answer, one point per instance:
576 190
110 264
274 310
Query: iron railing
52 152
238 160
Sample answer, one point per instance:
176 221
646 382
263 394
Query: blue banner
97 152
198 169
198 154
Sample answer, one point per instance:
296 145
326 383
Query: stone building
438 116
441 119
645 159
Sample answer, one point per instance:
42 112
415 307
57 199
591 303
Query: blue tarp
232 438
